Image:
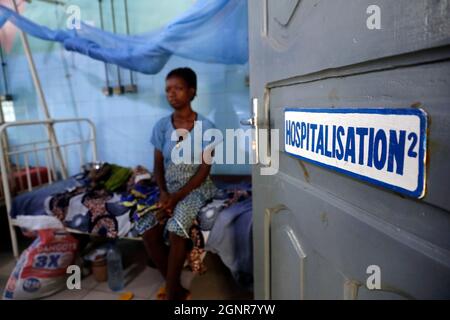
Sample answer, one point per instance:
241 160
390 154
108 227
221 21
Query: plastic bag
41 269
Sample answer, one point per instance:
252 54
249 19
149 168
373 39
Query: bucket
99 269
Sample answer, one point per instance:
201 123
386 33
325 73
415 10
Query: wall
72 84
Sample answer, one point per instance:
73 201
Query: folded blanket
32 203
231 239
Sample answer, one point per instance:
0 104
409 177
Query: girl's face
178 94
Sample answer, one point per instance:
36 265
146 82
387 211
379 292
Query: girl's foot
180 294
183 294
161 294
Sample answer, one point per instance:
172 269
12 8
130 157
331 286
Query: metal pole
8 202
6 96
5 80
107 91
119 87
127 24
40 92
4 139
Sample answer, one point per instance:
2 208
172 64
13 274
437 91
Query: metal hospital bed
60 161
17 161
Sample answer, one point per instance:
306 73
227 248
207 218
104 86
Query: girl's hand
163 197
167 202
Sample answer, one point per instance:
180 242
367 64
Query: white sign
384 146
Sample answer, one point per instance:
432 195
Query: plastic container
115 268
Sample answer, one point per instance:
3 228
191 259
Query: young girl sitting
184 187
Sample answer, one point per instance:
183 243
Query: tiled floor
141 280
217 283
144 282
7 263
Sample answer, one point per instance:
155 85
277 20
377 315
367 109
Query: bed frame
18 160
22 158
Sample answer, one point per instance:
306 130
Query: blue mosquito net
210 31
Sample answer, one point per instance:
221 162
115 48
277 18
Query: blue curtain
210 31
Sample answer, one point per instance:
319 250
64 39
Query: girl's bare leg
156 249
177 256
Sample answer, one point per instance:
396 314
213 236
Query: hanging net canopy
210 31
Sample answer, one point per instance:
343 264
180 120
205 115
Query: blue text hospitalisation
366 146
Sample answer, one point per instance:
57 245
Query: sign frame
420 191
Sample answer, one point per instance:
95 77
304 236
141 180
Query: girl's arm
199 177
196 180
159 171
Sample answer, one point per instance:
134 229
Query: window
8 111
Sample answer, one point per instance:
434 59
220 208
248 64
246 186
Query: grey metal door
316 231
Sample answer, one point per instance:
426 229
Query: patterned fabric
105 226
59 203
222 200
186 210
89 211
194 258
144 223
138 174
95 201
183 222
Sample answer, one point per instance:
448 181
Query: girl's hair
188 75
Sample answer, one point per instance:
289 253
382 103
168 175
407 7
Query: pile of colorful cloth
114 201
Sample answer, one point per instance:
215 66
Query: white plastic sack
41 269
